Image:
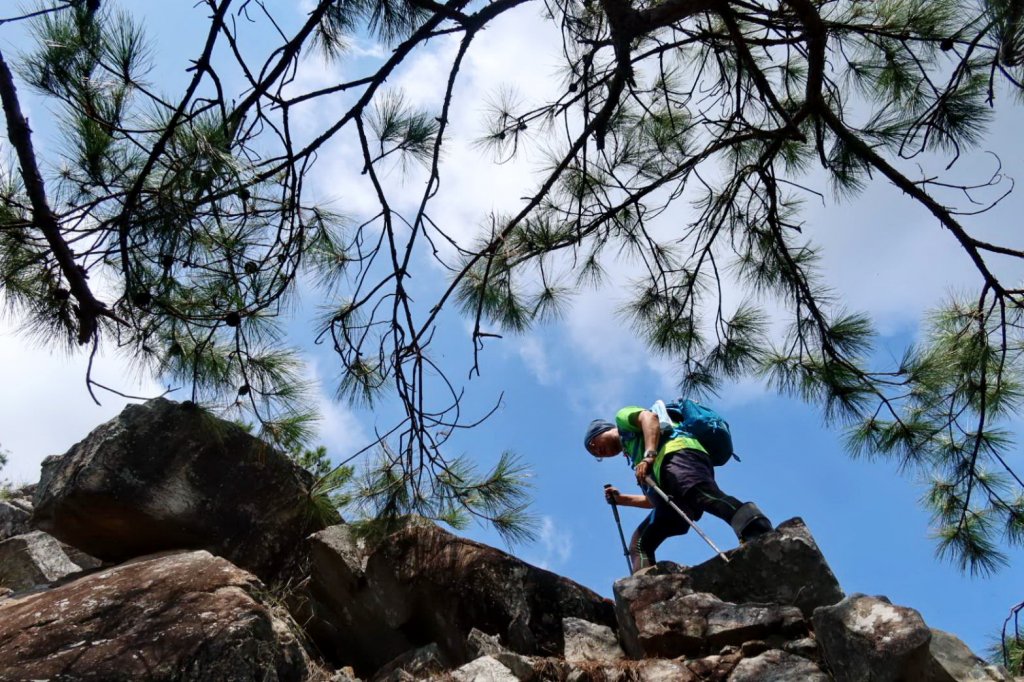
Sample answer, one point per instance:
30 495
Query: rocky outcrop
419 604
764 591
187 616
867 638
785 567
586 642
777 666
165 475
951 661
422 585
33 559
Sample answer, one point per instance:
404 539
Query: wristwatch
650 456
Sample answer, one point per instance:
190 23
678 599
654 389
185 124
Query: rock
669 628
777 666
866 638
737 623
754 647
783 567
693 624
481 644
586 642
661 670
165 476
423 584
33 559
184 616
344 675
805 646
638 594
15 517
716 667
417 664
484 669
79 557
952 661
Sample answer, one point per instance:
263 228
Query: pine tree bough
20 136
198 209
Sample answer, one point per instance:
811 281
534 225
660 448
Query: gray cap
596 428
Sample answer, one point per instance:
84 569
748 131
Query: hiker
682 469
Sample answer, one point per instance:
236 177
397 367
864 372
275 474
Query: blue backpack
704 424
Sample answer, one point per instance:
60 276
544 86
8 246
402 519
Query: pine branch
20 136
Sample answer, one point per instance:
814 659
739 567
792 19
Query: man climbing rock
680 466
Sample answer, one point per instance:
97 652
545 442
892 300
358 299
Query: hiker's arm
650 427
636 501
627 500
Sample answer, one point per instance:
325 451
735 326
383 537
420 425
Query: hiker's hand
611 495
644 469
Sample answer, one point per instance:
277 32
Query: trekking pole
618 522
668 500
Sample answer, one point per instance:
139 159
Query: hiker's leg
750 522
707 496
746 520
649 535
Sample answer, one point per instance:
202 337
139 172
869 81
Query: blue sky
887 257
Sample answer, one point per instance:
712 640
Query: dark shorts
681 471
688 478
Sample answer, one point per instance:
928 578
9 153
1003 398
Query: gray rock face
693 624
481 644
33 559
423 585
784 567
163 476
416 664
777 666
661 670
187 616
15 517
638 594
867 639
484 669
586 642
952 661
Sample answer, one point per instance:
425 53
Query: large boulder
777 666
952 661
33 559
185 616
165 475
586 642
782 567
422 585
694 623
867 638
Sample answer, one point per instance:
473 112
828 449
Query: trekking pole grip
611 499
618 524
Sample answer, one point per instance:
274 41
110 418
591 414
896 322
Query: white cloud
554 544
339 430
532 352
45 407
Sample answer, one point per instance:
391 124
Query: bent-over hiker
682 469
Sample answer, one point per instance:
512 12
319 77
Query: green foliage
1008 648
1011 654
332 490
187 217
454 495
5 485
